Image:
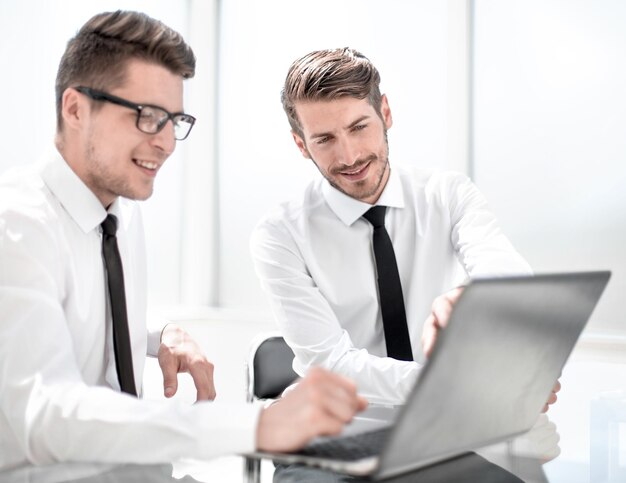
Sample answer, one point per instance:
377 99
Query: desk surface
581 439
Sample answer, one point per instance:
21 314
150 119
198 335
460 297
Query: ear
301 145
385 111
73 108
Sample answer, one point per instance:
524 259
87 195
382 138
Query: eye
359 127
149 115
185 118
322 140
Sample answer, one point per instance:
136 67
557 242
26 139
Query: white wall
550 134
549 121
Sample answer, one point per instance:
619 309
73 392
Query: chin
358 194
144 197
137 195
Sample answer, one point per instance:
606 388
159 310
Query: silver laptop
487 380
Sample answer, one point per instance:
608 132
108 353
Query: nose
348 151
164 139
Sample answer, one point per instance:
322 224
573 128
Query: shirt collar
76 198
349 209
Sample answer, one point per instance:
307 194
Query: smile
356 174
145 164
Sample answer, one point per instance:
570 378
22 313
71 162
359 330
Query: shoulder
29 223
293 214
420 178
24 201
286 227
21 187
442 186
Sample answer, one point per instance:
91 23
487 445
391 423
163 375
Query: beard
107 180
364 189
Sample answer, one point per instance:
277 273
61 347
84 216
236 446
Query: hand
552 397
178 352
438 319
540 442
321 404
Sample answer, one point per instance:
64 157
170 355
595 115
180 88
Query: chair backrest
270 368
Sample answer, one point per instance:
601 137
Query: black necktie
115 277
389 289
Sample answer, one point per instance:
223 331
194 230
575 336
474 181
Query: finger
454 294
552 398
428 327
443 305
557 386
442 308
202 374
429 335
355 403
339 404
204 389
169 368
328 426
337 395
323 420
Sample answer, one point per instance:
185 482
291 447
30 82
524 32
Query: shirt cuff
229 429
154 340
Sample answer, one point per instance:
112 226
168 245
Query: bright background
528 98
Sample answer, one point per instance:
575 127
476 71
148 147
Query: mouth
356 174
148 167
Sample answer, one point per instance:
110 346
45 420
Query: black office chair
269 372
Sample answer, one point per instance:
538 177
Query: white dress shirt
315 260
59 396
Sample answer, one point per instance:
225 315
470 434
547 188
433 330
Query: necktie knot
109 225
376 216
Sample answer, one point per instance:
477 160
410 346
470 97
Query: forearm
98 424
317 339
49 414
381 380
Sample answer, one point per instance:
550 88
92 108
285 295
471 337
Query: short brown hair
327 75
98 55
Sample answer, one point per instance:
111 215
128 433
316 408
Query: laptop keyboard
348 448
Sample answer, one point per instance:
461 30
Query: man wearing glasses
73 334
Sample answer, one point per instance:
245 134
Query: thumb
170 384
170 378
429 335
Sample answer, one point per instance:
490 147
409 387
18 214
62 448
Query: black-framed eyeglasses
150 119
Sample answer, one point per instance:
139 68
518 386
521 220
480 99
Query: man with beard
328 260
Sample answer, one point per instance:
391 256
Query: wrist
163 330
172 335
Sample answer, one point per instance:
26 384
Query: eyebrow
349 126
